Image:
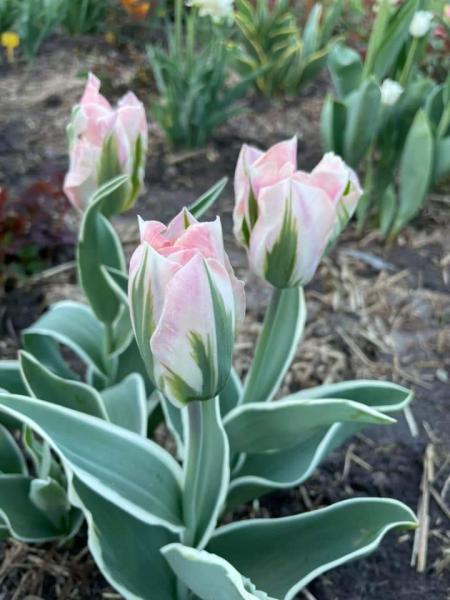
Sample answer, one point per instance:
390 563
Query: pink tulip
185 304
105 142
287 218
341 184
254 170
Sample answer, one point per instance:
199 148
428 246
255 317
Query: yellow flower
110 37
10 40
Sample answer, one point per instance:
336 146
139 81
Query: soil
373 312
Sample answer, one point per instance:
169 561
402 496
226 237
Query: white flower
216 9
390 92
421 23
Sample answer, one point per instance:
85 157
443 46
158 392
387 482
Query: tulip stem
193 450
404 77
276 345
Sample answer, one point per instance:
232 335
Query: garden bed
373 312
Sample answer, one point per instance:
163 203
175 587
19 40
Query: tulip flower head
421 23
217 10
390 92
185 305
286 218
105 142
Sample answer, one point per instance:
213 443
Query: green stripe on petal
141 308
224 325
281 259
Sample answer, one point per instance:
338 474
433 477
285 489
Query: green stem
191 472
365 202
404 77
276 345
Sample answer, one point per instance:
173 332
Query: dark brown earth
374 312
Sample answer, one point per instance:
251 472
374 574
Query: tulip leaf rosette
287 218
105 142
185 303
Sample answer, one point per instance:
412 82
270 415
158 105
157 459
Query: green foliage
194 98
153 523
85 16
400 141
271 39
36 20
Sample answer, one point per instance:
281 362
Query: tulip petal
179 224
206 237
291 234
279 162
150 274
185 342
80 182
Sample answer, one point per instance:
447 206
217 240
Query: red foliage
33 227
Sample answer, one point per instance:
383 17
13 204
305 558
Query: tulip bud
390 92
254 170
287 218
185 305
103 143
217 10
421 23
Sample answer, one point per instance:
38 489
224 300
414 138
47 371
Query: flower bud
390 92
287 218
218 10
103 143
421 23
185 305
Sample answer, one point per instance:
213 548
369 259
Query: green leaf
24 520
258 474
11 377
51 499
199 207
230 395
392 39
206 470
99 246
416 168
133 472
363 111
281 556
276 346
441 161
256 428
121 331
310 35
345 68
332 125
42 383
382 396
388 210
130 361
11 459
207 575
126 404
73 325
126 550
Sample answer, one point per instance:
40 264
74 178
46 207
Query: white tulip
218 10
390 92
421 23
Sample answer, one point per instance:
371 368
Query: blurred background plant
388 118
192 73
35 232
85 16
271 38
